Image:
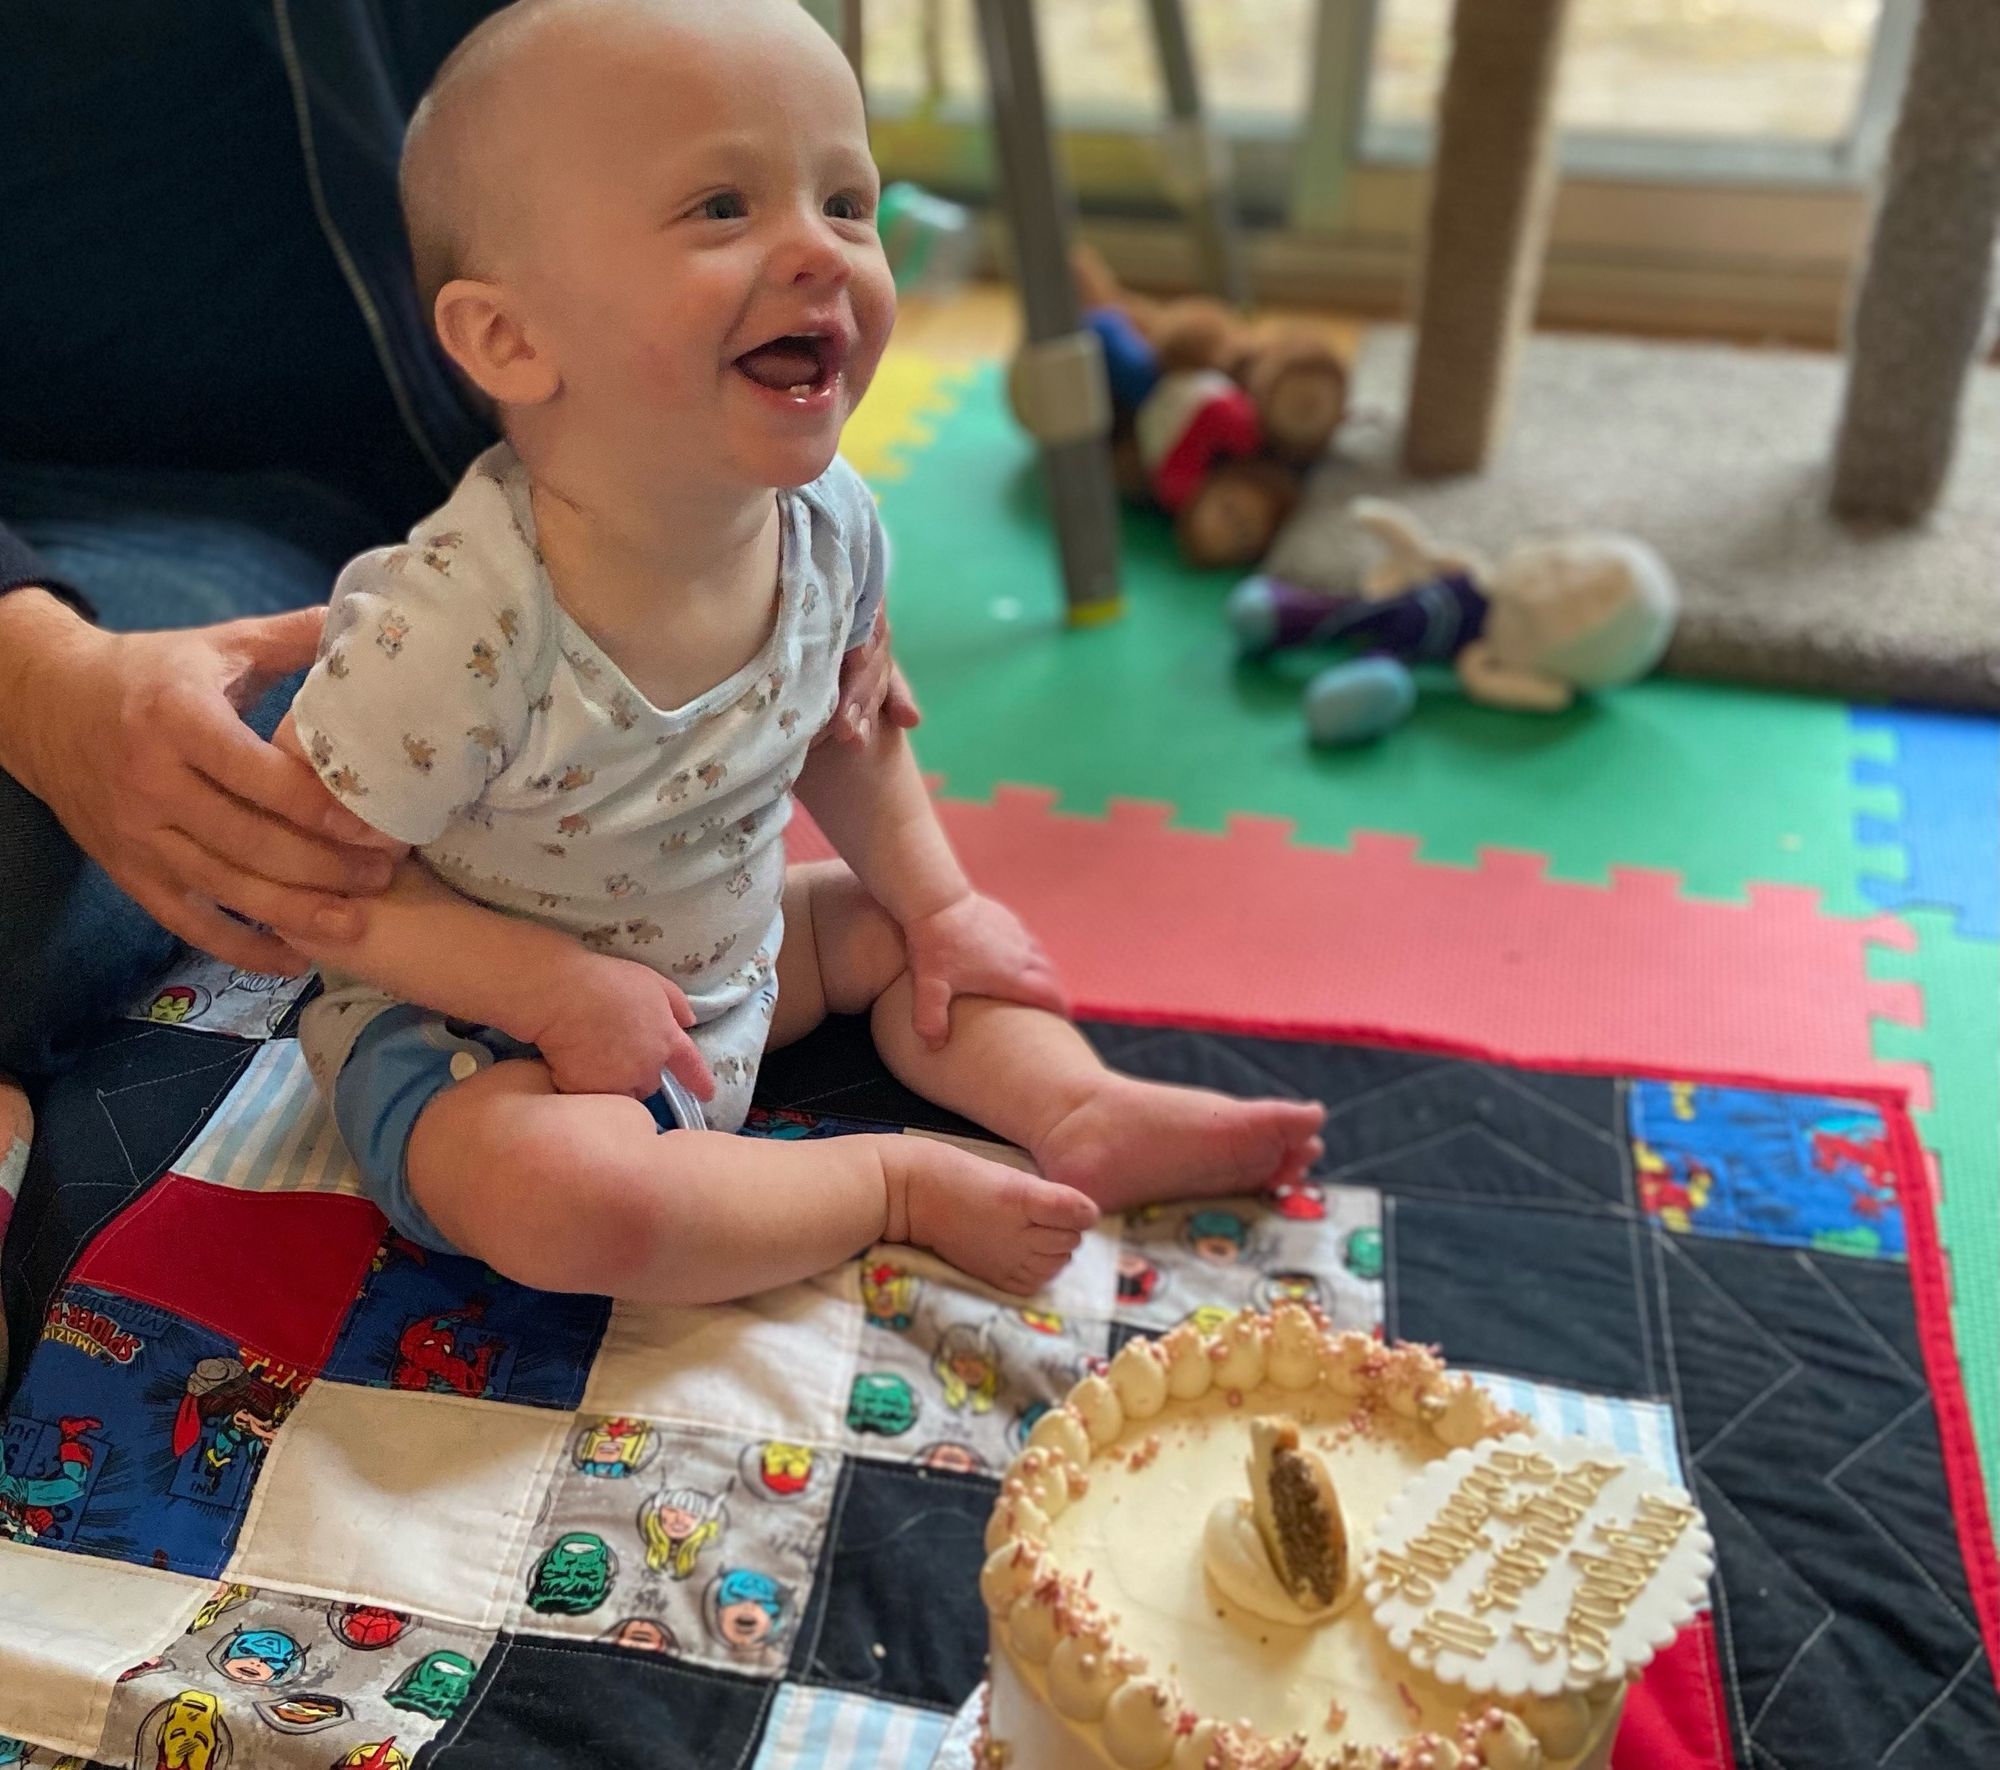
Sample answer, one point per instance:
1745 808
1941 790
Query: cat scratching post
1492 186
1927 284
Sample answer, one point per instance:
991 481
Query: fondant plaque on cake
1531 1566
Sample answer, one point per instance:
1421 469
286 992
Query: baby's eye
725 206
847 207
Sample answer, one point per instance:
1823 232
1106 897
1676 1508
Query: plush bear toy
1214 419
1578 612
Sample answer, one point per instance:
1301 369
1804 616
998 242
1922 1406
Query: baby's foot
1008 1228
1135 1143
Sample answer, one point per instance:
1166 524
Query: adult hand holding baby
136 742
871 688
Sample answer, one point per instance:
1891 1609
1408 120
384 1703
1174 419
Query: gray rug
1719 457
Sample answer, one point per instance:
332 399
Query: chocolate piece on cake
1297 1513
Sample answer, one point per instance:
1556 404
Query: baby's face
703 261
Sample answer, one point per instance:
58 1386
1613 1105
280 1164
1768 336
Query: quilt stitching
1718 1593
1513 1085
1861 1321
1937 1702
1635 1238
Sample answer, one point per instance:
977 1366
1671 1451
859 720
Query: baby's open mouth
799 363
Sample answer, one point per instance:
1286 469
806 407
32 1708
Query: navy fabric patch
890 1617
553 1705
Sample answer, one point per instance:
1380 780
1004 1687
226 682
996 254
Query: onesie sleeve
867 544
418 698
871 573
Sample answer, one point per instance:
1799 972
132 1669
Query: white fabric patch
272 1132
69 1624
199 991
814 1729
776 1365
420 1502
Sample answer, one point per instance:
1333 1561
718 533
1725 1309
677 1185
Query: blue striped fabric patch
272 1132
1640 1428
813 1729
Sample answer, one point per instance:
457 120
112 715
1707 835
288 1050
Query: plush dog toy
1579 612
1214 419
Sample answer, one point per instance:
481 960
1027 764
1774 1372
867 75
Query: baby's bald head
612 204
512 93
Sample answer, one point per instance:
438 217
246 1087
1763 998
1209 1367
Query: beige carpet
1719 457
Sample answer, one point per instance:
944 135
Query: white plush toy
1577 612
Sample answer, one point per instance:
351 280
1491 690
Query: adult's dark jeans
151 548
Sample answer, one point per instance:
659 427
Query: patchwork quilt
283 1490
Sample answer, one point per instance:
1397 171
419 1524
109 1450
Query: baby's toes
1052 1206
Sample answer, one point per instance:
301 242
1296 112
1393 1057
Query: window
1715 153
1787 70
1099 59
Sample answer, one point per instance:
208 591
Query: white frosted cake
1278 1547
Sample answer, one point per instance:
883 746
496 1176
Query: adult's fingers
230 754
899 705
281 908
223 937
268 845
271 647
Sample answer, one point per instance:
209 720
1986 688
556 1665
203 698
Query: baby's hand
975 947
616 1024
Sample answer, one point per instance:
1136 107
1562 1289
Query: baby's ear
481 330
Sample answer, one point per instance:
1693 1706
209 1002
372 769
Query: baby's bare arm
871 802
605 1025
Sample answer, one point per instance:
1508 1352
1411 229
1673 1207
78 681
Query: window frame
1676 233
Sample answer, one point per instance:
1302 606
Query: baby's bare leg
1029 1076
580 1192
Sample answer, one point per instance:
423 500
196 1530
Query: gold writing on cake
1449 1631
1453 1534
1547 1523
1611 1582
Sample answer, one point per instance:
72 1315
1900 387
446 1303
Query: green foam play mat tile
1958 1041
1723 786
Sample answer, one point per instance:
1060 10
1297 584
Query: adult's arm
21 567
136 742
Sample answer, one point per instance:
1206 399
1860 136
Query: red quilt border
1930 1278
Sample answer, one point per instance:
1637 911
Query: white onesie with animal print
457 707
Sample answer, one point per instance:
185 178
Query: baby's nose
813 253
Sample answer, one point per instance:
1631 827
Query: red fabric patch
274 1270
1673 1716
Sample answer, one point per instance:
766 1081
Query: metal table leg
1197 160
1059 376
